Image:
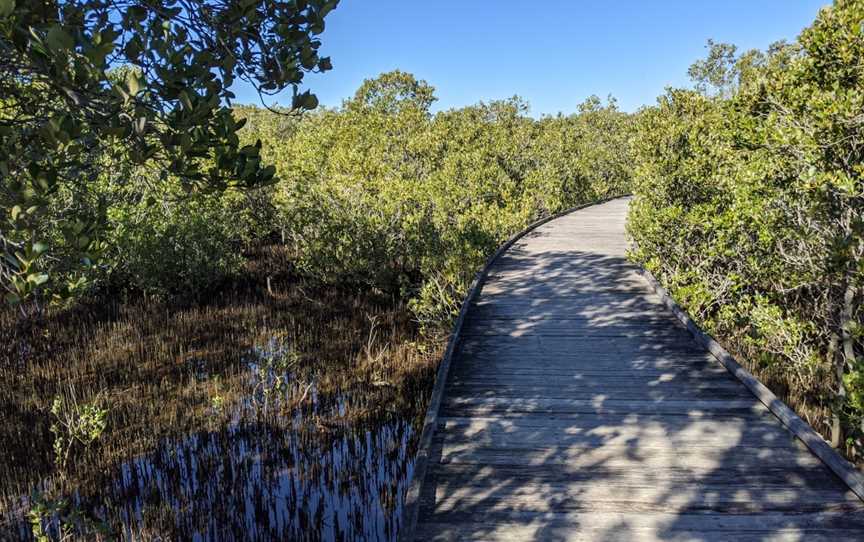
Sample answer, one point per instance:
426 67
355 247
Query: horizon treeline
379 193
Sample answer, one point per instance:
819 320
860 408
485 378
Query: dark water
278 461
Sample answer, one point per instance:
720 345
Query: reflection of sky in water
248 482
269 474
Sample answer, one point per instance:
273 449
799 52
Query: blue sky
553 53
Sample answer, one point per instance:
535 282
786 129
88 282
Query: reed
275 385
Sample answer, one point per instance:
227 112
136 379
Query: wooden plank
610 497
764 478
610 424
580 365
579 407
635 440
623 318
506 375
589 304
666 521
600 405
601 385
508 371
478 349
543 528
530 286
629 392
411 507
647 373
623 348
842 468
696 459
576 329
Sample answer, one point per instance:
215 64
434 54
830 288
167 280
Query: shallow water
289 441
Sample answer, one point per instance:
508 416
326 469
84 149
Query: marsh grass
807 393
185 387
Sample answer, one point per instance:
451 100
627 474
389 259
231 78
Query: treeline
378 193
749 206
382 193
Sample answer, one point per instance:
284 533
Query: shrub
381 193
749 204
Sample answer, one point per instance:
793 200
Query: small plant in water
375 355
75 423
272 366
217 403
58 520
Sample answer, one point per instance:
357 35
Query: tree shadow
578 407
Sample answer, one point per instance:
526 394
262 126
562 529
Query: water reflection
259 482
280 460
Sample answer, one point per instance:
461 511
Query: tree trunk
843 360
838 362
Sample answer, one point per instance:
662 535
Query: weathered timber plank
611 424
640 371
632 392
609 497
578 407
633 440
697 459
764 478
668 522
612 406
576 330
623 348
544 529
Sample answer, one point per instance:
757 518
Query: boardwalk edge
794 423
411 507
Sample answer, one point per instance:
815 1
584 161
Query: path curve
578 407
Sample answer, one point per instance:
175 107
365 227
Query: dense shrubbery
91 90
379 193
750 206
384 194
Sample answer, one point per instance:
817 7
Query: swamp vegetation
255 415
223 321
257 362
750 207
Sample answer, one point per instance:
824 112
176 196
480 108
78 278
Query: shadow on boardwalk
578 407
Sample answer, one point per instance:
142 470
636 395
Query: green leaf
6 8
11 260
38 278
305 100
39 248
249 150
133 48
310 102
58 39
185 100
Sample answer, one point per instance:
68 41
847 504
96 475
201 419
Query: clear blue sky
552 53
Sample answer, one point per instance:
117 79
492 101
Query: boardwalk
578 408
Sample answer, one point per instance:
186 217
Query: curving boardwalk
578 408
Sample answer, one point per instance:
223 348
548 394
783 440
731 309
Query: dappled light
578 406
523 305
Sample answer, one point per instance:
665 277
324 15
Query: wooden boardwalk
577 407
